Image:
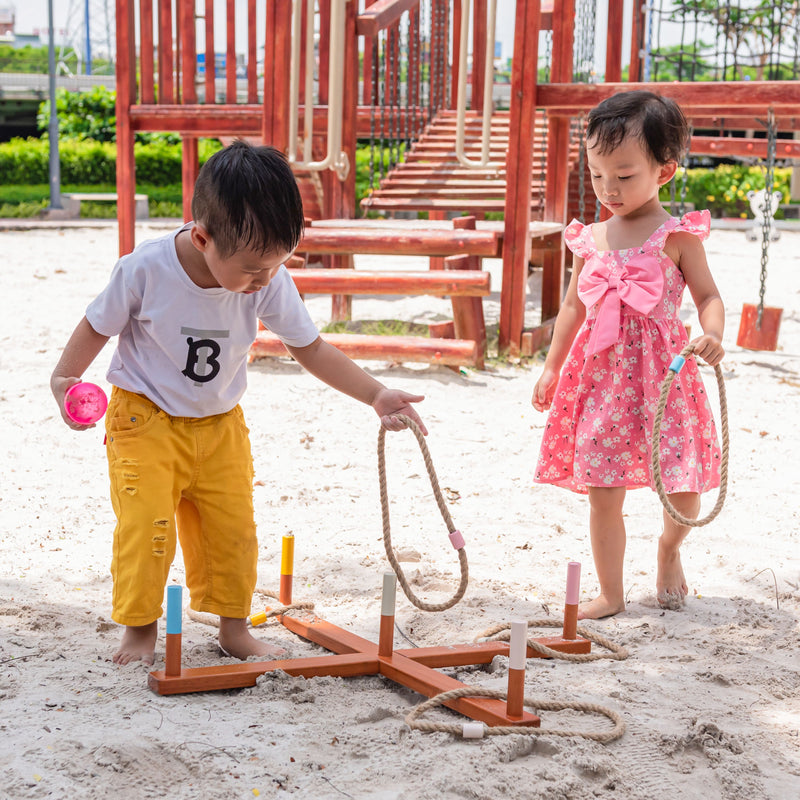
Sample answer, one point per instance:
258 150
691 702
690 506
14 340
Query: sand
710 695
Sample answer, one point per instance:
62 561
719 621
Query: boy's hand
389 402
59 386
544 390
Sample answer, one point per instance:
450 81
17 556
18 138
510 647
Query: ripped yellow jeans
187 479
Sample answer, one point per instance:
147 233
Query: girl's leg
607 530
671 588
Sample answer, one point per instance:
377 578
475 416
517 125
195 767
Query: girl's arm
690 256
570 318
333 367
81 350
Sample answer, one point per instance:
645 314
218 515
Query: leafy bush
723 190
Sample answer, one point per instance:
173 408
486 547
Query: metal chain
772 135
581 170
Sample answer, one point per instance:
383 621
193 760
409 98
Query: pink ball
85 403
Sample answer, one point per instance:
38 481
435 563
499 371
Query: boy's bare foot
138 644
671 588
600 607
236 640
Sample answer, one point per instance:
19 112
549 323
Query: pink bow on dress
639 285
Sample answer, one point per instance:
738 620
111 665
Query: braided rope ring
673 370
455 536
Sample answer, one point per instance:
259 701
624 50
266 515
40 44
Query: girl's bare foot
236 640
600 607
671 588
138 644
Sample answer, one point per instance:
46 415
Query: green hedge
27 161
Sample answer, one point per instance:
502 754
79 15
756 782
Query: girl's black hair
656 121
246 197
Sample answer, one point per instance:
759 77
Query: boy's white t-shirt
183 347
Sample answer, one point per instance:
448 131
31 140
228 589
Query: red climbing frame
157 90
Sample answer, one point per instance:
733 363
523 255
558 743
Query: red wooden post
637 34
189 159
147 88
252 50
126 96
456 59
616 9
211 67
519 166
479 32
166 68
558 158
230 52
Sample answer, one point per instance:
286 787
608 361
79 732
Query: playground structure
396 73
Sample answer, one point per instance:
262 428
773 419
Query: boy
185 308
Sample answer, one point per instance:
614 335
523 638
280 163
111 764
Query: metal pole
88 66
55 168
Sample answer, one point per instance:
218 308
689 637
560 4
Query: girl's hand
709 348
389 402
544 390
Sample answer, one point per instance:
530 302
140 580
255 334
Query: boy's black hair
656 121
246 197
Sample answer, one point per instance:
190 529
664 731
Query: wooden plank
240 676
382 14
717 98
429 683
436 283
399 242
454 352
743 147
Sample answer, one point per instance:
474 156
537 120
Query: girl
615 336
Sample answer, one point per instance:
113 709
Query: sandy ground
710 694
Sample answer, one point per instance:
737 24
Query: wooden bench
72 202
464 286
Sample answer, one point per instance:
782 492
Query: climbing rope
415 723
502 632
674 369
456 538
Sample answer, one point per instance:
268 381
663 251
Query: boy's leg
671 587
142 475
217 532
607 529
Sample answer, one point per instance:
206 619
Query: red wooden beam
436 283
721 146
517 207
454 352
418 242
718 98
382 14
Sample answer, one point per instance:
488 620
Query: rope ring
656 445
415 723
387 536
502 632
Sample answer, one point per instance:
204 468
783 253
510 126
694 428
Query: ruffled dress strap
695 222
578 237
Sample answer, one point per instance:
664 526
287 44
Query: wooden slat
454 352
414 242
718 98
435 283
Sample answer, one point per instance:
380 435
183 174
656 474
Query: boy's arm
81 350
333 367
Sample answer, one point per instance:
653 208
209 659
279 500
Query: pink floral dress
600 425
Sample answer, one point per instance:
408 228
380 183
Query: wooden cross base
356 656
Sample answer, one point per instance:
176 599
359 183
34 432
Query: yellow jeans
179 478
